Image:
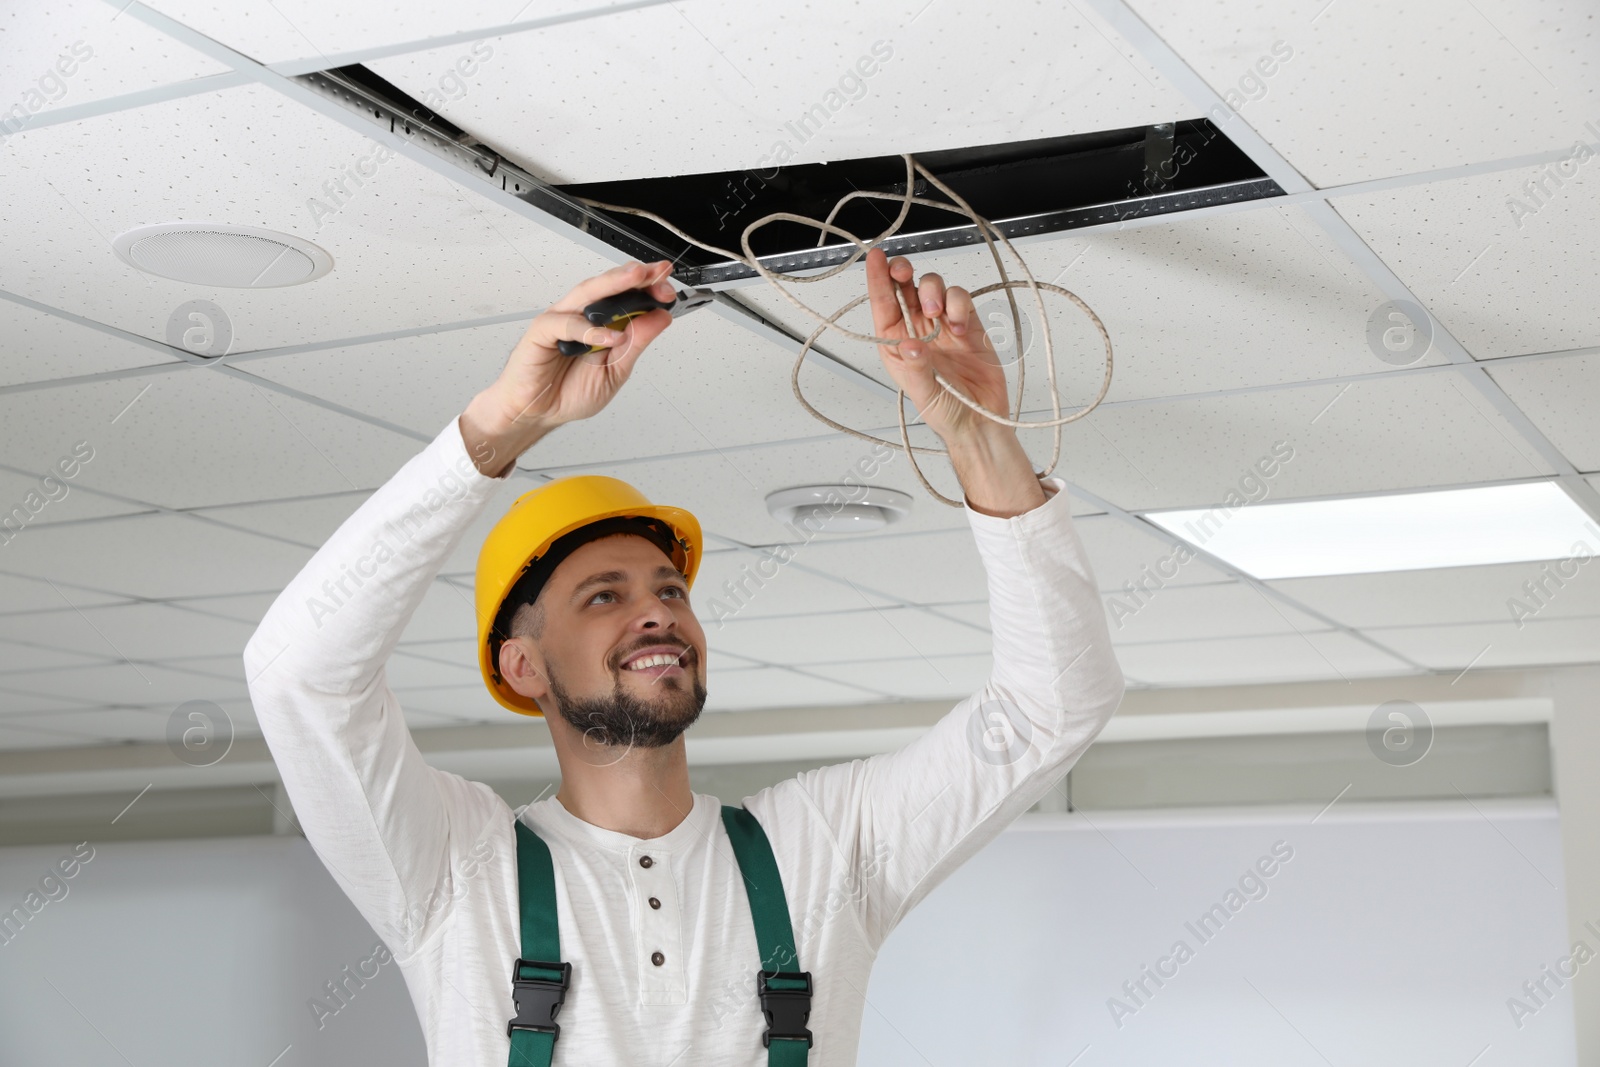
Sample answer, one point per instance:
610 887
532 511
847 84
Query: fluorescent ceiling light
1402 532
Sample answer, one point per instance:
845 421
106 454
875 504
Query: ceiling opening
1025 188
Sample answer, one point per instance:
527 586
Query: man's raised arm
384 822
906 819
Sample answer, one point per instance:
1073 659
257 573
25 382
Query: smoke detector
838 508
221 255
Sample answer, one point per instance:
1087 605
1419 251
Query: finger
900 270
554 326
641 330
958 310
930 293
614 281
880 293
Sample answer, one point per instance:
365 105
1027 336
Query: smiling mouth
655 664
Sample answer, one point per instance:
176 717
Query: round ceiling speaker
220 255
839 508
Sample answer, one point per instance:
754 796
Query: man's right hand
541 389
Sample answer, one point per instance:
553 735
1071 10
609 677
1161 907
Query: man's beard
621 718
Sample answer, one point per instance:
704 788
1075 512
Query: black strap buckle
787 1010
537 998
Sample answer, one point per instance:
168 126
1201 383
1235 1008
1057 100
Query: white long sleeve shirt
429 857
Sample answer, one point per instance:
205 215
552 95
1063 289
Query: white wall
1386 939
1389 939
201 953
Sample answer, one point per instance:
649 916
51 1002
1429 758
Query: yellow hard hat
533 524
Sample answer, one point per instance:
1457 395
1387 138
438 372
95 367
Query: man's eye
673 590
596 598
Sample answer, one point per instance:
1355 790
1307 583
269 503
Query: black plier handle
615 312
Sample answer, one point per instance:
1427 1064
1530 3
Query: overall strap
538 979
784 989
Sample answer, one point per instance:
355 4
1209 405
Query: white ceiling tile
704 384
125 684
158 556
41 346
745 76
920 568
198 438
1501 280
19 594
137 631
1561 397
1190 305
446 613
1327 655
949 677
410 247
25 649
1408 432
450 704
1120 552
248 608
1194 612
1498 644
868 634
311 521
107 724
1454 594
70 52
1363 89
270 31
769 687
406 671
753 585
14 737
45 503
24 703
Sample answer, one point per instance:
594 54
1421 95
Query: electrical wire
826 322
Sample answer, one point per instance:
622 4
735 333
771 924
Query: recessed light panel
1401 532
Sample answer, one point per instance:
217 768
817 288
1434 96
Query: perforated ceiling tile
914 678
1327 655
309 521
66 52
755 84
1120 553
856 635
1494 594
1505 260
14 737
1185 613
768 687
20 593
108 724
921 568
47 498
1394 433
123 684
1488 645
753 585
270 31
704 384
40 346
410 247
138 631
1561 397
198 437
1246 298
156 556
1363 89
29 652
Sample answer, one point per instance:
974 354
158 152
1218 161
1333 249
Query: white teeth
660 659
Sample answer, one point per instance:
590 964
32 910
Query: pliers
615 312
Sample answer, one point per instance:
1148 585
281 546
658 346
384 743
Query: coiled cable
831 322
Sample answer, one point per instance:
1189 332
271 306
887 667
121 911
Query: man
651 908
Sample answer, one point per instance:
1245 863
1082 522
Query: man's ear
522 666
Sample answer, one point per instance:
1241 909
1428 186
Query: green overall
539 979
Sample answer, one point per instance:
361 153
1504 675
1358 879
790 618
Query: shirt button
657 958
645 861
654 903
